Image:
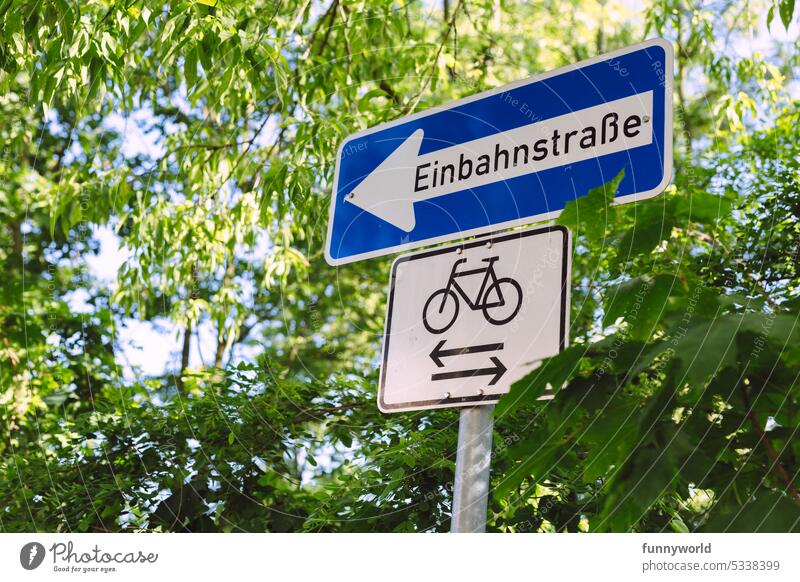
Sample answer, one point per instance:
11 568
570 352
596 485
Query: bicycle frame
489 275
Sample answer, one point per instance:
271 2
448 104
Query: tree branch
187 345
450 25
771 452
315 413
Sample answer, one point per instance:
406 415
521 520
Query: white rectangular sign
466 321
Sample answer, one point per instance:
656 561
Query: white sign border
668 152
495 237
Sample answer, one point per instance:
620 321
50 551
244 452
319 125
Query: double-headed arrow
497 370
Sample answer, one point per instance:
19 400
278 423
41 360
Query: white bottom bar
372 557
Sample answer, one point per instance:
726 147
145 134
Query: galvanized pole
473 459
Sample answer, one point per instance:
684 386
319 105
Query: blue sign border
603 78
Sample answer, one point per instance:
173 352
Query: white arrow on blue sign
506 157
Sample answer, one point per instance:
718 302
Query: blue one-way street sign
506 157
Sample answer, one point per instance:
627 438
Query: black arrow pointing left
438 353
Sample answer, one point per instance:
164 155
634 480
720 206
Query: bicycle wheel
511 292
440 311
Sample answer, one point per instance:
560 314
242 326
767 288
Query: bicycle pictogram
498 298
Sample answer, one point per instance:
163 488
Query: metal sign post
473 459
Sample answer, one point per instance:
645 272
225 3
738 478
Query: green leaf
706 349
553 372
648 471
766 511
640 302
653 222
538 458
678 525
190 69
591 214
786 9
703 207
365 103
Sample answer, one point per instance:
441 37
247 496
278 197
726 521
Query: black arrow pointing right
438 353
498 370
